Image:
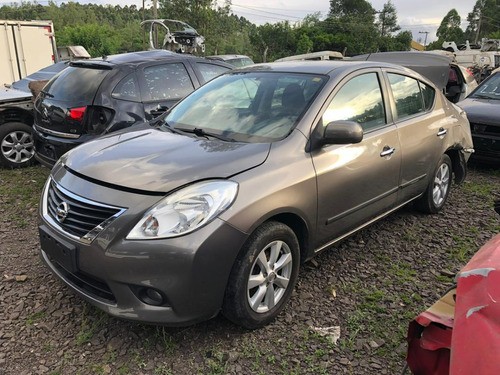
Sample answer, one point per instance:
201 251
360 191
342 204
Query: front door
357 182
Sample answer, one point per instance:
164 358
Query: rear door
357 182
421 131
164 84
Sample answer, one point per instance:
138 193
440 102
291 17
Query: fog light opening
151 296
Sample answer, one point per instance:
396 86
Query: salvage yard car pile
241 182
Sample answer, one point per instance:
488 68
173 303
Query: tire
273 280
16 145
434 198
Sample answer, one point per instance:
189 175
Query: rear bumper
49 148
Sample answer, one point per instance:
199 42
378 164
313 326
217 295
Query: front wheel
434 198
16 145
263 276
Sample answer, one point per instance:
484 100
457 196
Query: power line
263 11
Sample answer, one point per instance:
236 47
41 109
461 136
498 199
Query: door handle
387 151
441 132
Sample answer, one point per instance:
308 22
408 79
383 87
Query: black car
95 97
483 110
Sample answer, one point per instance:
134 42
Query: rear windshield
76 84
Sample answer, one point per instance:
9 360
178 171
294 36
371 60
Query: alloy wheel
441 184
269 276
17 147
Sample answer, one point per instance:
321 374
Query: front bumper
190 272
487 148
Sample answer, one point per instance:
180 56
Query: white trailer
25 47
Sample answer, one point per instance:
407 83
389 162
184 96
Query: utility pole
155 9
426 33
479 27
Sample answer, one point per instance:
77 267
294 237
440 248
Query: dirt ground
368 288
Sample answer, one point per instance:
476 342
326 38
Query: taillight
470 72
76 114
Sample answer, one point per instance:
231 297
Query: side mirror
336 133
342 132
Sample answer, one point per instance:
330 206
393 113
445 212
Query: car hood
481 110
13 95
158 161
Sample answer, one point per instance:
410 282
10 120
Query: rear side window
76 84
210 71
407 95
360 100
127 89
167 82
428 94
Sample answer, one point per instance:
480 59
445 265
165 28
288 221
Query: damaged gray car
216 207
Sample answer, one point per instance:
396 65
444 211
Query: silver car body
322 193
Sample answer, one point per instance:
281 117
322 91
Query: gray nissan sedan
216 205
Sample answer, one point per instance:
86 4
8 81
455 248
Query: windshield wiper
47 94
203 133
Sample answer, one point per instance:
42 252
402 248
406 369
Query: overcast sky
423 15
416 16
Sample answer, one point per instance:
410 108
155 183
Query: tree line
351 27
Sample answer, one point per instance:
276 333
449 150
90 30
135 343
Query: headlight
185 210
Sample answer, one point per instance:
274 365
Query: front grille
77 216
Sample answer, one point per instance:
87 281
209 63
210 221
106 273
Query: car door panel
421 132
357 182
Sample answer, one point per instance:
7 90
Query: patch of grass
35 317
479 188
462 248
138 360
165 339
124 370
216 364
90 324
20 190
163 369
402 272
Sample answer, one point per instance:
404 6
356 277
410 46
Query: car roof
322 66
137 58
228 57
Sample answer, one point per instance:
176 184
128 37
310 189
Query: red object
77 113
429 338
460 333
476 334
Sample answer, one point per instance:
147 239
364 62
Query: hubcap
17 147
441 184
269 276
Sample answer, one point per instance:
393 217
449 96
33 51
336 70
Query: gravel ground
367 288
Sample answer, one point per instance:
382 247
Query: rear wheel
438 189
263 276
16 145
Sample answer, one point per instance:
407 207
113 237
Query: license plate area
60 251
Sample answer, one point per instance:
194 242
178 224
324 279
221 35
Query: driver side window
360 100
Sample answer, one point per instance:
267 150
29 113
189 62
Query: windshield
240 62
248 106
76 84
489 89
